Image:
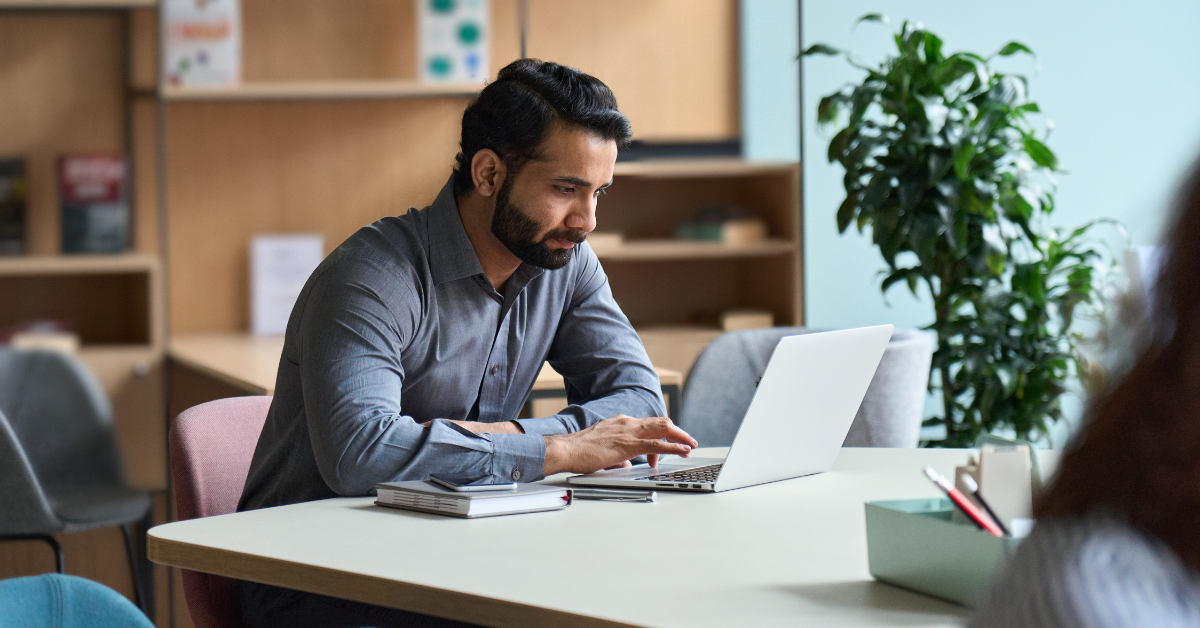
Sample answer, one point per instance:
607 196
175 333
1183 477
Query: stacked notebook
427 497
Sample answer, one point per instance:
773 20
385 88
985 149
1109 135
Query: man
412 347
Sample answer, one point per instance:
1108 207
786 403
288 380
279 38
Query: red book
93 193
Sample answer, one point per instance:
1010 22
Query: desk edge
408 596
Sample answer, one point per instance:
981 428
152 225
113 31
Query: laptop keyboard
699 474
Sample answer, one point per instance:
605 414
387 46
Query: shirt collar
451 256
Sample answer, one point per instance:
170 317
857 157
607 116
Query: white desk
790 554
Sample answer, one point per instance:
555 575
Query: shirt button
495 369
516 475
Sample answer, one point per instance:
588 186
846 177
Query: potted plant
947 169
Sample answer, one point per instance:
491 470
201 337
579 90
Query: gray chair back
26 509
721 385
61 417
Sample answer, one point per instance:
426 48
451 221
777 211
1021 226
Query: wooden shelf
667 249
711 167
125 263
321 90
77 4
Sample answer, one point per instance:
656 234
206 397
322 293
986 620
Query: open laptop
796 423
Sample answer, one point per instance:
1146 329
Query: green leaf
820 49
1029 107
1039 153
845 213
1013 47
962 159
827 110
903 274
872 17
839 144
933 48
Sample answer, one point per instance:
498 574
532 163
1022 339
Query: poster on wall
453 40
203 43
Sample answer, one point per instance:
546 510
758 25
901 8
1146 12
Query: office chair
722 382
211 447
60 471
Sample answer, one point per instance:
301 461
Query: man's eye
565 190
601 191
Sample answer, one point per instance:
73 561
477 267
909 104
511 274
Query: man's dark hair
512 114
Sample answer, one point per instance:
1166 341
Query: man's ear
487 172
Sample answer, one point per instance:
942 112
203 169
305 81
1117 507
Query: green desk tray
913 543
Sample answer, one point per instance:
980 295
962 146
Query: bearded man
412 348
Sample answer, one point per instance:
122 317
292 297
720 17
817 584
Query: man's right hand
614 441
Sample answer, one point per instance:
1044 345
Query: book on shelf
424 496
727 225
93 192
202 43
13 192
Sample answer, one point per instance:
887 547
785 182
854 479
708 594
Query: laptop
795 425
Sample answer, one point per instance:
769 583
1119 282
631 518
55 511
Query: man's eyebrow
577 181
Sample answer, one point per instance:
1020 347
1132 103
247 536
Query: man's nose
583 216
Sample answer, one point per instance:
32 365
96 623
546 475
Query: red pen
960 500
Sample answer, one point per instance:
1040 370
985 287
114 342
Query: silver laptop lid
804 405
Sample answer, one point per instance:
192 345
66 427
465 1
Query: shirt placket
495 376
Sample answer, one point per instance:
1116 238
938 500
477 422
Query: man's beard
517 231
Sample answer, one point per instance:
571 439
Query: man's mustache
570 235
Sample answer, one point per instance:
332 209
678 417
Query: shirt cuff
518 457
548 426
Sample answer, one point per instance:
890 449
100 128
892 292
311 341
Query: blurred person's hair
512 114
1137 454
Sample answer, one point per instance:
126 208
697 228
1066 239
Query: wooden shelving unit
77 4
69 70
674 291
34 265
320 90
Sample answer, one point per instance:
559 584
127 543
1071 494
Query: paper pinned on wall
453 40
279 267
202 43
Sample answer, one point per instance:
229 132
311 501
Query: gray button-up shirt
399 326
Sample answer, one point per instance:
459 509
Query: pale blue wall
1120 79
770 100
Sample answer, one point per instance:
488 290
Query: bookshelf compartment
651 207
104 309
695 292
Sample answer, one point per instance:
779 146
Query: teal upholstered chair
58 601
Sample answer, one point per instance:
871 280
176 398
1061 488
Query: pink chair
211 448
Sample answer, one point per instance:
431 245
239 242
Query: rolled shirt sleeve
353 336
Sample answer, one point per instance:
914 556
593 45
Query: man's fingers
653 460
623 465
652 447
662 427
